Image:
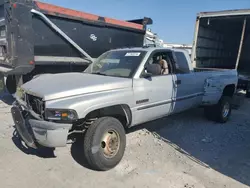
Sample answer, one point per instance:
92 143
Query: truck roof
150 49
146 49
236 12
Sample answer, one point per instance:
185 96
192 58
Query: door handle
177 82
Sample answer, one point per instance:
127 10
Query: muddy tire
104 143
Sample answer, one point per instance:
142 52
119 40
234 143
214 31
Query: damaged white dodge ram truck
121 89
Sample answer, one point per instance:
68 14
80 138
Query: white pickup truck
121 89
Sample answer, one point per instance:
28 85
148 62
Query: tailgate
16 37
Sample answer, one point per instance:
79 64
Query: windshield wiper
99 73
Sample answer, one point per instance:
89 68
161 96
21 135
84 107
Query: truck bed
209 69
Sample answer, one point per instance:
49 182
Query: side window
181 64
160 63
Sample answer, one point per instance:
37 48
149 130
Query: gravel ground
181 151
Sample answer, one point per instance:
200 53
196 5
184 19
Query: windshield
122 63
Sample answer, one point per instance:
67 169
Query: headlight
58 114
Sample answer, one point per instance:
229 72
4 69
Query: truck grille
36 103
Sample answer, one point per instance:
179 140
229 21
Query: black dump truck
37 38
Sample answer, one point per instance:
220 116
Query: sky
173 20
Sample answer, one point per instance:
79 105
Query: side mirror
146 75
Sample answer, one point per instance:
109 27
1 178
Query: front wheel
104 143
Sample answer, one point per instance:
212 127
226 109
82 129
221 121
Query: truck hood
54 86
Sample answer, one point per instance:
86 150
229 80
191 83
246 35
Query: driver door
153 96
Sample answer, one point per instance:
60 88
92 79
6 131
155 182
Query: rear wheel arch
229 90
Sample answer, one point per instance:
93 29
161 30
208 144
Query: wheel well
121 112
229 90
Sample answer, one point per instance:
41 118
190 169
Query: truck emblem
93 37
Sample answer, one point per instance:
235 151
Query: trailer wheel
104 143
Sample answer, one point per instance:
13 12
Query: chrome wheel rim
110 143
225 110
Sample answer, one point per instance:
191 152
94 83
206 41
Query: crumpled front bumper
32 130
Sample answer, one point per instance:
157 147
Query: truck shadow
41 152
222 147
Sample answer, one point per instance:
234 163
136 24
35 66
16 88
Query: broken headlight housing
61 115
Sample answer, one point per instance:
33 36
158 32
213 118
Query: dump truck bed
28 38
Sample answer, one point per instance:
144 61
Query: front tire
104 143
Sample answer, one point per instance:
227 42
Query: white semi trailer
222 40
